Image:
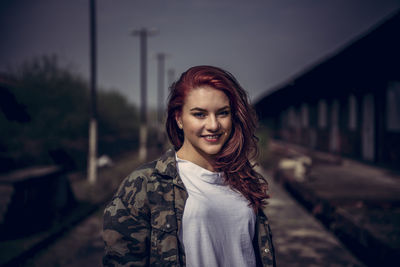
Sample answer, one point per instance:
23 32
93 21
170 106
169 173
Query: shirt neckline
199 172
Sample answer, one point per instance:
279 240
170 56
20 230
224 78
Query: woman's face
206 122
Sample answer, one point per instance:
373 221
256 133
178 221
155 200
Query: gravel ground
82 246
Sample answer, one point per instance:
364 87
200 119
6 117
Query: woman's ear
178 120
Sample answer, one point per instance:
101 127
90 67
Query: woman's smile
212 138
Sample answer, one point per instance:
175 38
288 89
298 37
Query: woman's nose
212 123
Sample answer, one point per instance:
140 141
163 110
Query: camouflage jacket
142 222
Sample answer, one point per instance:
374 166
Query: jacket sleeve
126 226
265 247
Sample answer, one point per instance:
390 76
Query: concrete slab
299 238
359 202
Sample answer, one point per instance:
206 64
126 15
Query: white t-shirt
218 225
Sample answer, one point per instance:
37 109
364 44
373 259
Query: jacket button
168 225
266 250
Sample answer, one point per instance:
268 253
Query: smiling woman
201 203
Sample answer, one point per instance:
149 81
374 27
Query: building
348 104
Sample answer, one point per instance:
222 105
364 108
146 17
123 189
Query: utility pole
160 109
92 155
143 34
171 76
161 79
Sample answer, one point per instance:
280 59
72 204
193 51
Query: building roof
363 65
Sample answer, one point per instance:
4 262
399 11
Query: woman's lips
212 138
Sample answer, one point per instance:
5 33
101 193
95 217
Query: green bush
57 101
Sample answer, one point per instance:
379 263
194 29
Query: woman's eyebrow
204 110
226 107
197 109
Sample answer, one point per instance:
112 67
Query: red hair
241 147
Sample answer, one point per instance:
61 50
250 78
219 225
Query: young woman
201 203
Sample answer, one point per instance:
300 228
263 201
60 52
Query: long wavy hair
241 147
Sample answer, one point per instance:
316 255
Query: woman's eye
224 113
199 115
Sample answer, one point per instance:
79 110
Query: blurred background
83 89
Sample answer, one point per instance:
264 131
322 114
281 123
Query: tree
57 101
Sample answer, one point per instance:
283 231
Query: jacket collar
166 167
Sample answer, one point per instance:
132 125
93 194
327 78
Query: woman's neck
196 158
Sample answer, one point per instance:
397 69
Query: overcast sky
262 42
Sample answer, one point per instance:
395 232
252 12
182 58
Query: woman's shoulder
149 174
144 172
165 165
